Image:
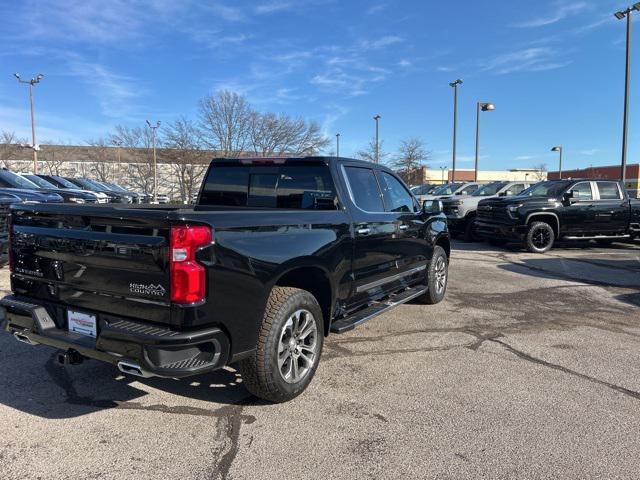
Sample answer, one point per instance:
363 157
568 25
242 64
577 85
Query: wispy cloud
561 11
273 7
525 157
404 63
376 8
381 42
117 94
532 59
589 152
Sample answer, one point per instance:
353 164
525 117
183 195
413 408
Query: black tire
436 291
497 242
261 372
540 237
470 234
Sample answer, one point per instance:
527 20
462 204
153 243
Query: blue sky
553 68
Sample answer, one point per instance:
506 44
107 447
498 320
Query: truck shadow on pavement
37 385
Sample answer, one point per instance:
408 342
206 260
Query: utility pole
337 144
627 81
559 149
155 162
377 119
484 107
455 126
34 146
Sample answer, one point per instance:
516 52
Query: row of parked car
54 189
537 214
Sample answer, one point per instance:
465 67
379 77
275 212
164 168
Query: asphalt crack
554 366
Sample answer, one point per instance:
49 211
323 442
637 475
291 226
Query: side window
365 190
514 189
396 197
609 191
468 190
582 191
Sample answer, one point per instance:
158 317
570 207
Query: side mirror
567 196
432 207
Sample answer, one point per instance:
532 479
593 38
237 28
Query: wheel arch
548 217
314 280
445 242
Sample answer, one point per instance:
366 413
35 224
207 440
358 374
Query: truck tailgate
99 259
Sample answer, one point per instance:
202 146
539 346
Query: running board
349 323
597 237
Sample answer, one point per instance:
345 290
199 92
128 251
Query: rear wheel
437 277
470 232
289 346
540 237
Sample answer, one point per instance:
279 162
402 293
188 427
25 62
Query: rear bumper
502 231
155 351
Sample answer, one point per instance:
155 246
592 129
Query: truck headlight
513 210
77 200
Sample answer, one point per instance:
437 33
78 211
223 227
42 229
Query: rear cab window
609 191
364 189
304 185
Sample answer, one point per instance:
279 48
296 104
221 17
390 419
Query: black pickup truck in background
275 255
597 210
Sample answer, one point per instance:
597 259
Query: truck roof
283 160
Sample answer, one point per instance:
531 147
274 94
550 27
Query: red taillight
188 277
10 242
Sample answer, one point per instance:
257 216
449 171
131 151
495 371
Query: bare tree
225 121
272 134
540 171
12 150
412 156
53 159
187 162
102 165
368 153
139 173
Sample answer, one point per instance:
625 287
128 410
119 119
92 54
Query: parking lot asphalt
529 369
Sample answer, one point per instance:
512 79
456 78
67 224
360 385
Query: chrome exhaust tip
132 368
21 337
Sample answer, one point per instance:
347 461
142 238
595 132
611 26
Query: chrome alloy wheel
298 346
441 275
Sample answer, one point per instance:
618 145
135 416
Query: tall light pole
455 126
559 150
377 119
485 107
627 79
31 83
442 170
337 144
155 163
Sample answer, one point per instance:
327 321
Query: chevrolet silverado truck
275 255
461 210
597 210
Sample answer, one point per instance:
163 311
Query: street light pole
559 149
442 170
337 144
155 163
485 107
627 79
377 119
455 126
31 83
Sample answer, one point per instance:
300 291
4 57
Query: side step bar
596 237
349 323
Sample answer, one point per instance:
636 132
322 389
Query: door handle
404 227
363 231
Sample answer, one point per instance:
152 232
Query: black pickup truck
597 210
275 255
